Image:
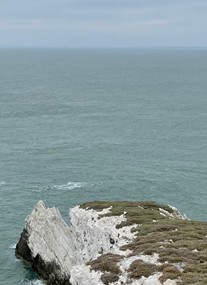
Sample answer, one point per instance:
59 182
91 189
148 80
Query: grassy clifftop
180 243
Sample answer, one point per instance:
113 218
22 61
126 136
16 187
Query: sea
109 124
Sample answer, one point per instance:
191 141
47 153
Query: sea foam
35 282
69 186
31 282
12 246
2 183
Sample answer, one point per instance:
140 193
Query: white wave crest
69 186
31 282
13 246
35 282
2 183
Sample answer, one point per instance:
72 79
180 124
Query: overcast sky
103 23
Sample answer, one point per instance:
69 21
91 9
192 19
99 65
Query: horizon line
98 48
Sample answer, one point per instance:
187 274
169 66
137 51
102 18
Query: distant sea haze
99 125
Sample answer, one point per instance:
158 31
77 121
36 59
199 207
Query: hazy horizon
103 24
103 48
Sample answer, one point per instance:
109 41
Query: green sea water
99 124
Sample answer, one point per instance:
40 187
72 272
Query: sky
103 23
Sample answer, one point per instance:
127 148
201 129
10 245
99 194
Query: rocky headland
117 243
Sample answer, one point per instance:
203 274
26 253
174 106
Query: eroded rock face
22 247
117 243
45 242
53 248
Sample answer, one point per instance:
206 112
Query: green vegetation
108 264
139 268
180 243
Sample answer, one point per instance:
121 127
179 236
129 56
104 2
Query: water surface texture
85 125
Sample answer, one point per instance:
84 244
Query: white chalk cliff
60 252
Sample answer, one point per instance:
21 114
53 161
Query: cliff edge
118 243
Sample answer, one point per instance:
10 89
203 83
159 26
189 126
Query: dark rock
22 248
112 241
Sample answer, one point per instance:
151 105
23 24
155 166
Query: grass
139 268
108 264
177 241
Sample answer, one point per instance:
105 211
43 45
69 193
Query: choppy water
85 125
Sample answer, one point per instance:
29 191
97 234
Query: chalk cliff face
54 248
45 243
116 243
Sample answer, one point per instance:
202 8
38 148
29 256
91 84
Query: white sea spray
12 246
36 282
2 183
69 186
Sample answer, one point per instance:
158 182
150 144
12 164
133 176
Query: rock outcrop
138 243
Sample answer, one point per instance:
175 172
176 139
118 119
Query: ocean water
99 124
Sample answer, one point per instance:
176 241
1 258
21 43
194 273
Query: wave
35 282
64 187
2 183
69 186
31 282
13 246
